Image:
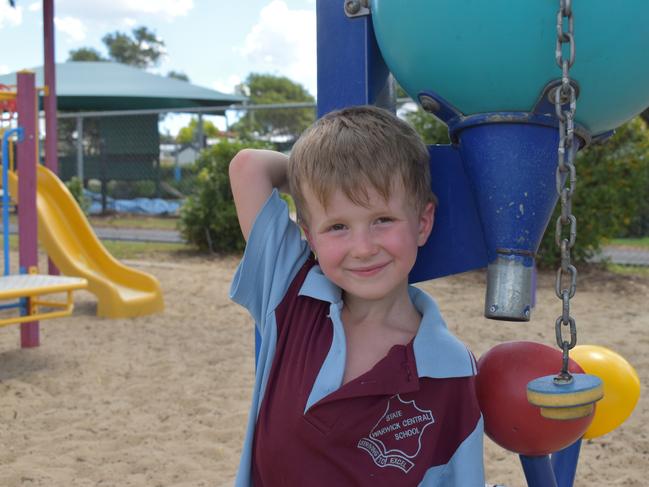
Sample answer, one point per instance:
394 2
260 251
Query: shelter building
117 107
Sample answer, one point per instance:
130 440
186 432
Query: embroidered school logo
395 439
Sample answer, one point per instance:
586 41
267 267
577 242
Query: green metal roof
112 86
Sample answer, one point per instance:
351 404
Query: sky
217 43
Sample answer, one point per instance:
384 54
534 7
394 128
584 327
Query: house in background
186 154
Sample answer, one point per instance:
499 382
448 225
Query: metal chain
565 103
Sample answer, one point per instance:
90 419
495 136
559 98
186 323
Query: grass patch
628 270
120 220
134 221
631 242
135 250
13 242
129 250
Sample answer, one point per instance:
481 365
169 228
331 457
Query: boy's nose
364 246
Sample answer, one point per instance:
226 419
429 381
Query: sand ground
162 400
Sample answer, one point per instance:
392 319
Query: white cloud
103 10
10 15
129 22
283 42
227 85
35 7
4 69
72 27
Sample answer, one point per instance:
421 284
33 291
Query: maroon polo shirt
384 428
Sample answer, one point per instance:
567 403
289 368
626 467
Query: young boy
358 381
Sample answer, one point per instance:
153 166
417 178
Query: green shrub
429 127
75 186
188 175
612 183
119 189
208 218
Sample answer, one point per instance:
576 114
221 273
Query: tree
143 50
85 54
263 89
429 127
645 116
178 75
187 135
208 218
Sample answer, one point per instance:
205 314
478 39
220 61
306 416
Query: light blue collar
318 286
438 353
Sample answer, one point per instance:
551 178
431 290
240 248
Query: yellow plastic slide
68 238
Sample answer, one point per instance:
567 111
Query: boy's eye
384 219
337 227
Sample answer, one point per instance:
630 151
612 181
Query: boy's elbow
240 164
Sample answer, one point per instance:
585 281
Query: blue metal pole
538 471
564 463
351 69
5 191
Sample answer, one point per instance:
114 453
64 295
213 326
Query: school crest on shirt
395 440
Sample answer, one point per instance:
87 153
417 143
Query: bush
430 128
187 183
208 218
612 182
143 188
75 186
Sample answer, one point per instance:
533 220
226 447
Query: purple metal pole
51 159
49 100
26 156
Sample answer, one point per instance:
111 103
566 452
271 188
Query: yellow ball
621 387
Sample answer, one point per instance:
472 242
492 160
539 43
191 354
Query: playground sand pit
162 400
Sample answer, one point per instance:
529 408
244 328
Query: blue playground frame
351 71
6 202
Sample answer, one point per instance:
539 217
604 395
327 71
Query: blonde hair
356 148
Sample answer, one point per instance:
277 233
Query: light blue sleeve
466 466
274 254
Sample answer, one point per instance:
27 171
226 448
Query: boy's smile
367 251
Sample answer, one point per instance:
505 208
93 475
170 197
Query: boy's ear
307 234
426 220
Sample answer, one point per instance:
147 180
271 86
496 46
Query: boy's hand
253 175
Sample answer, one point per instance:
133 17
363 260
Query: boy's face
368 252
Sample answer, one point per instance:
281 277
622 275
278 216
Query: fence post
80 149
199 132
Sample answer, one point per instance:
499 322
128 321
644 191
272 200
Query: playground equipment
46 208
69 240
500 75
621 387
29 287
510 420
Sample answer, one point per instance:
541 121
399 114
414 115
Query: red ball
510 420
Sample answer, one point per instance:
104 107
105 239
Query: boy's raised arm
253 175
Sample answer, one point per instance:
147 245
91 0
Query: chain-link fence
129 154
117 154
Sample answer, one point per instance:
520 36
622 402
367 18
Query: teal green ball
497 55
